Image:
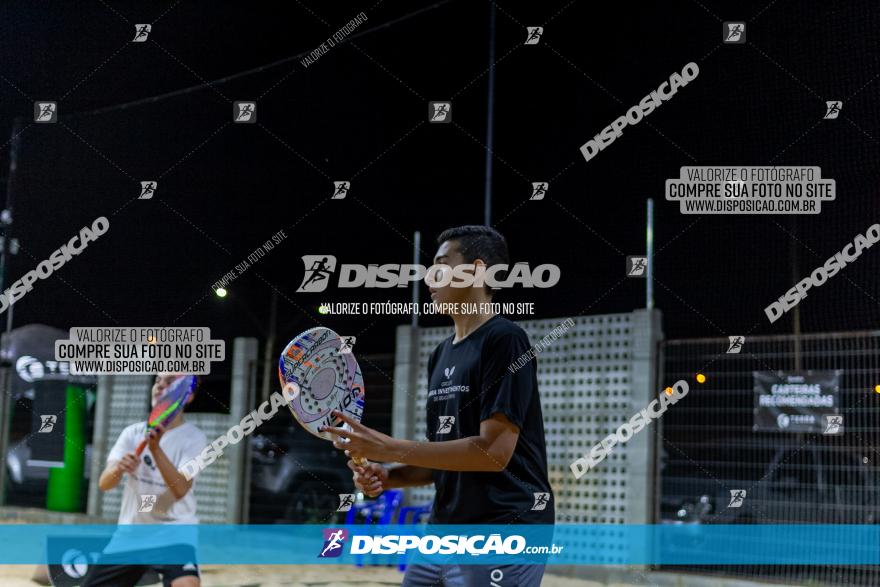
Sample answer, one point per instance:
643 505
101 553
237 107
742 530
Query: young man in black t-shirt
486 456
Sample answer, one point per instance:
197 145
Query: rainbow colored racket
319 378
169 405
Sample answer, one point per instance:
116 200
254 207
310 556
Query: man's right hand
371 479
128 464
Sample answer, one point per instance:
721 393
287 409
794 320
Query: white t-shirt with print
146 498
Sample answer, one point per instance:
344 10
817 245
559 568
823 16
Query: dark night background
360 113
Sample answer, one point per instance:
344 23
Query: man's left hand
363 442
153 437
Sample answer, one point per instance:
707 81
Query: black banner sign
795 401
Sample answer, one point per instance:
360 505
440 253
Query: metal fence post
406 372
242 391
100 445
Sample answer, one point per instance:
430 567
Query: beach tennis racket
169 405
318 378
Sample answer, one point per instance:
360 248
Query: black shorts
473 575
129 575
120 575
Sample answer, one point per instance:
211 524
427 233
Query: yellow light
701 378
877 388
668 391
221 292
323 309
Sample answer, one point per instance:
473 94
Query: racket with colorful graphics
320 375
169 405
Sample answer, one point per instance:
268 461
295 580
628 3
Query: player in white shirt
155 492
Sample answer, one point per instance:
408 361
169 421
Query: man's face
448 254
163 380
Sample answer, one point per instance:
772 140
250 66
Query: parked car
295 477
816 485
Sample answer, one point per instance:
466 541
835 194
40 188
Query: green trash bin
65 490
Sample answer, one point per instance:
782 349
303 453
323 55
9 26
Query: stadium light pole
796 313
7 247
417 245
490 120
649 252
270 345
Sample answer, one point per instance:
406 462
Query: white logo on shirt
445 424
496 575
448 372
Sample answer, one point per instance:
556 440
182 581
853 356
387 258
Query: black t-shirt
469 382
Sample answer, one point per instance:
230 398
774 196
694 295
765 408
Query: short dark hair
478 242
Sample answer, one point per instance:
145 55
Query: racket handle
140 448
